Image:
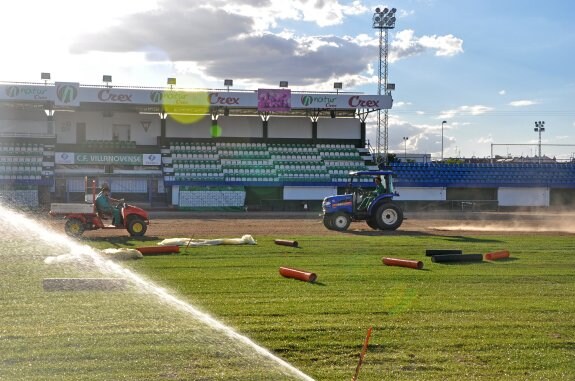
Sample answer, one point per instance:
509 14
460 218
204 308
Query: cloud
238 50
423 138
522 103
465 110
239 39
502 92
485 139
406 44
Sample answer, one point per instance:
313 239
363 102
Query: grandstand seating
261 163
23 162
484 174
329 164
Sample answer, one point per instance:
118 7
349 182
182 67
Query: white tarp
523 196
189 242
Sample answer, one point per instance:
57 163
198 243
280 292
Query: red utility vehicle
81 217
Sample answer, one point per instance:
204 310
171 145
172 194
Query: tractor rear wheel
340 221
389 216
136 226
372 223
74 227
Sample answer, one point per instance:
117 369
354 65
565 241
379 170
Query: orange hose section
158 249
298 274
497 255
286 242
403 263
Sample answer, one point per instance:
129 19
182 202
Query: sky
490 69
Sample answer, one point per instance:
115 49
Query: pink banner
274 100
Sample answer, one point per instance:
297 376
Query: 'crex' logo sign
66 93
306 100
12 91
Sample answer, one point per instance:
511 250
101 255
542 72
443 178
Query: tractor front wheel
74 227
340 221
389 216
136 226
328 222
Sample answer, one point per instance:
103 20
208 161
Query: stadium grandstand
265 149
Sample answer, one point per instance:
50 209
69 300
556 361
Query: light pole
539 127
405 139
383 20
442 123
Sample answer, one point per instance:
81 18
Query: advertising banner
108 158
26 93
274 100
64 158
70 94
67 94
341 101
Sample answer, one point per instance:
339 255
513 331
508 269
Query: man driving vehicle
379 189
108 205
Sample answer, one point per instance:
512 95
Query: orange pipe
403 263
298 274
286 242
158 250
497 255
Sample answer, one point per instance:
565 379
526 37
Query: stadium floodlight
442 123
337 86
45 77
384 19
107 79
539 127
283 83
228 83
171 82
390 87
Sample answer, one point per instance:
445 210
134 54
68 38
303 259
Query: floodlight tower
384 20
539 127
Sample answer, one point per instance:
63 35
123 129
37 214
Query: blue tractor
375 207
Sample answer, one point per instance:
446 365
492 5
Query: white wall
289 127
23 121
100 127
420 194
338 128
198 129
523 196
241 126
308 193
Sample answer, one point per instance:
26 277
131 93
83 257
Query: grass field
510 319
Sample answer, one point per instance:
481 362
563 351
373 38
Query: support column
163 118
314 130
